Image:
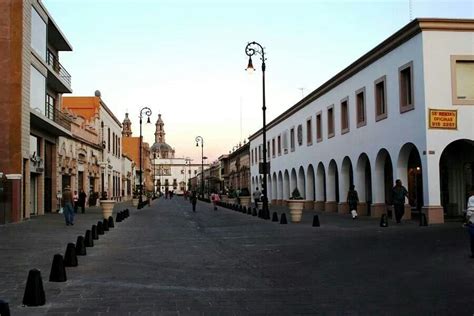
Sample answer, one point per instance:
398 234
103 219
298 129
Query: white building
404 111
169 172
128 180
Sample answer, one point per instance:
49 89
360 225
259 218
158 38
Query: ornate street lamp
147 111
251 49
201 140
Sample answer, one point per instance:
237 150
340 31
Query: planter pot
135 202
296 209
245 201
107 207
260 205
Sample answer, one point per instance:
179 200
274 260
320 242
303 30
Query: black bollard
254 212
316 221
58 270
127 213
118 217
275 217
111 222
88 241
423 221
4 308
384 221
80 246
70 257
95 236
283 219
260 213
100 228
249 210
34 292
105 225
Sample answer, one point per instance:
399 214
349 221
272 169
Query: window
108 139
279 144
380 99
462 79
406 87
38 34
360 107
331 121
273 147
118 153
319 127
299 132
34 146
292 139
251 156
260 157
345 115
113 143
309 132
285 142
268 149
37 89
50 106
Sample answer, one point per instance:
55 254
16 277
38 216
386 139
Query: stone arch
320 187
310 183
410 172
383 183
286 185
363 183
332 187
293 180
301 182
274 189
346 179
280 187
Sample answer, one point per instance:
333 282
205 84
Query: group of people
70 203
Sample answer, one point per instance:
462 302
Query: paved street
167 260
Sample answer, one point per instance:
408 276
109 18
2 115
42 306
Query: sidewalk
33 243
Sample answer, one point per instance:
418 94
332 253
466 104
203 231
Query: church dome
161 147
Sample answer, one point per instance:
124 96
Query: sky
185 59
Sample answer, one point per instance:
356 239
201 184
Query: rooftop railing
53 61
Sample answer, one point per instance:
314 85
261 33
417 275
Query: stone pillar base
319 206
362 209
330 206
407 214
308 205
284 203
378 209
434 214
343 208
274 202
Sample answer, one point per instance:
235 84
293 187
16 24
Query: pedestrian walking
399 192
75 200
194 200
352 200
67 205
82 200
257 195
215 198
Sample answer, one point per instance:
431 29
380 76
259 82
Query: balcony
58 77
51 120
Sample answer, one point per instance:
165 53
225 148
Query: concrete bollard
254 212
58 270
118 217
105 225
283 219
4 308
249 210
34 291
384 221
100 228
70 257
259 213
111 222
95 236
127 213
80 246
423 221
275 217
88 241
316 221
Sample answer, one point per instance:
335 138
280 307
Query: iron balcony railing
57 116
53 61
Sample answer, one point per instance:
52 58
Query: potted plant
244 197
135 197
296 205
107 205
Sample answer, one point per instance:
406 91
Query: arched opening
310 188
280 188
269 188
347 178
293 181
301 182
383 183
274 189
286 185
456 169
411 174
320 188
363 184
332 187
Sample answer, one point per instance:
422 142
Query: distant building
235 168
32 82
404 110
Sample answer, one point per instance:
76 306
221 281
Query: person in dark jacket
66 203
352 200
82 200
194 200
399 192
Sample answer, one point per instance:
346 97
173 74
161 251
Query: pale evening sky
185 59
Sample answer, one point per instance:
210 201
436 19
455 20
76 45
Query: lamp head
197 144
250 69
148 120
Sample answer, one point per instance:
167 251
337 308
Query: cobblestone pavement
167 260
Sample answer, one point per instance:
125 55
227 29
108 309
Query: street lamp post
201 140
251 49
147 111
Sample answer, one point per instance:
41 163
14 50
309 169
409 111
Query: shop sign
443 119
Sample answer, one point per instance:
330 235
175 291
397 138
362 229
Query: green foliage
244 192
295 195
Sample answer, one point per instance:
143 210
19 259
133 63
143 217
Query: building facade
235 168
402 111
32 83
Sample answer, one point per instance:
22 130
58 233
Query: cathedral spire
127 127
160 130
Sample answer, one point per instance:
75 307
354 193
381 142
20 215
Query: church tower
160 131
127 127
160 146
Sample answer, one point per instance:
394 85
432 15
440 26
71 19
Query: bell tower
160 131
127 127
